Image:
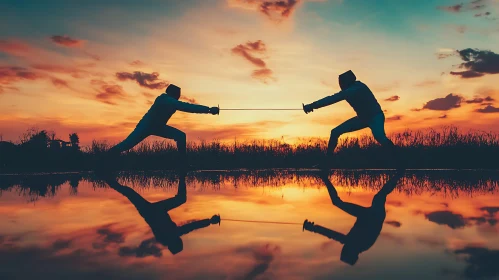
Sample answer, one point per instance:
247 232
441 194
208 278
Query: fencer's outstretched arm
337 97
184 229
186 107
329 233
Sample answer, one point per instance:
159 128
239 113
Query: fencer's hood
346 79
173 91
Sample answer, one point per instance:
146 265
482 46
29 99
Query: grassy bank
446 148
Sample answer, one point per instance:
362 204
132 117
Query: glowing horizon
72 70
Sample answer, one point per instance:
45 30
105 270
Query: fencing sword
261 109
258 222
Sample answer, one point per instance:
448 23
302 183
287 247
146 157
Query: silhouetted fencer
367 227
369 113
154 121
156 215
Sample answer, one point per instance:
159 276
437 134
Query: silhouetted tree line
448 148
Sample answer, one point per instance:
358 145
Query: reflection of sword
261 222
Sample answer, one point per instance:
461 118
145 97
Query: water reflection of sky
437 226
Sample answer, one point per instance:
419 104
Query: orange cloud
147 80
393 98
15 47
246 49
109 93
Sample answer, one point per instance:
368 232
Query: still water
423 225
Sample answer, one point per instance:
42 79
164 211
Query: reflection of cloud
447 218
394 223
146 248
430 241
481 262
263 255
52 261
390 236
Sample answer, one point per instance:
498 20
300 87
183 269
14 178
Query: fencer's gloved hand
214 110
215 219
308 108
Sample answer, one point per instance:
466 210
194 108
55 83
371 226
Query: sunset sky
94 67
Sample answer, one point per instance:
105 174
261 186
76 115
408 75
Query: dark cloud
449 102
60 244
12 74
147 80
479 100
111 236
245 50
59 82
491 210
477 63
33 261
275 10
447 218
66 41
137 63
488 109
394 223
467 74
146 248
453 9
481 262
443 117
283 9
393 98
482 14
462 7
109 93
394 118
263 256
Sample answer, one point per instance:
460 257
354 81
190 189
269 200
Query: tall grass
445 148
